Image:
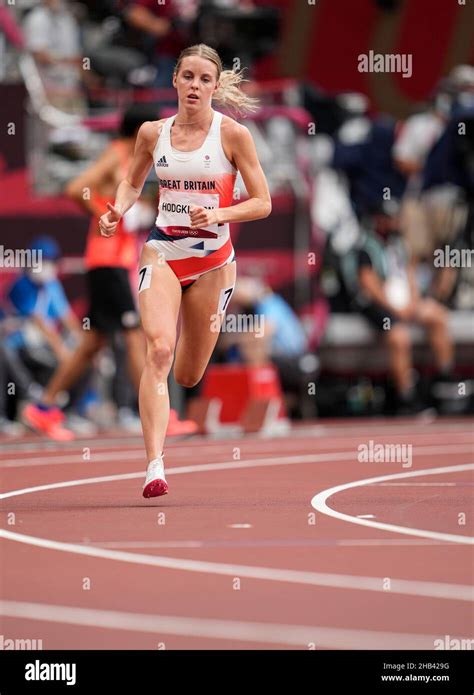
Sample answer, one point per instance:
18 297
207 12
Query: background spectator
165 27
53 37
389 299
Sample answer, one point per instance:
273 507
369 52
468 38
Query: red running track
249 550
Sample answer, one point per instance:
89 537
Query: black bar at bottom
316 671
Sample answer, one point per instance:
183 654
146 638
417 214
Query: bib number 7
145 278
224 299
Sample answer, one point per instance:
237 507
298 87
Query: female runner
187 263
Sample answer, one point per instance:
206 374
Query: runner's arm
130 188
259 203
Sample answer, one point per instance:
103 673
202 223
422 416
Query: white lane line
302 636
72 483
307 543
256 447
211 447
119 457
423 484
319 503
239 526
455 592
249 463
377 427
409 424
390 541
365 516
145 544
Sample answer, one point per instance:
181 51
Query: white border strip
302 636
455 592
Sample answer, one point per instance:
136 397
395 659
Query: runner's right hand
109 221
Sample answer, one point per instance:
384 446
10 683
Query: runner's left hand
201 217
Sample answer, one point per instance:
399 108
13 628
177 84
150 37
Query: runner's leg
159 298
201 319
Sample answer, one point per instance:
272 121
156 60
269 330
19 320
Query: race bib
224 299
174 211
144 275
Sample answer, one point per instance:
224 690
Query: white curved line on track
319 503
400 586
274 633
456 592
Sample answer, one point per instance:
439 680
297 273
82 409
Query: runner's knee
186 378
160 354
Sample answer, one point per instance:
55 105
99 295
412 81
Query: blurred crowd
82 59
117 43
396 212
385 198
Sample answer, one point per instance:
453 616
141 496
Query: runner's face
197 77
54 5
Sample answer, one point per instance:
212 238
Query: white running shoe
155 482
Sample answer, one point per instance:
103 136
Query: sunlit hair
228 93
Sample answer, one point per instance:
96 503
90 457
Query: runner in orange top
122 253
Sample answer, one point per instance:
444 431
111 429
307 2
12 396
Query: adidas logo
162 162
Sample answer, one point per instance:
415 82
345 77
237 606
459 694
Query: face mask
443 104
466 99
46 274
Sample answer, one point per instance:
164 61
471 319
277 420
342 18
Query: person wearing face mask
52 36
414 141
433 208
387 296
447 182
12 370
38 300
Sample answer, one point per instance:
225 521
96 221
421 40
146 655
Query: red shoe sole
156 488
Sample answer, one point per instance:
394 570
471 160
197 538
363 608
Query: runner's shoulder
233 127
236 138
233 131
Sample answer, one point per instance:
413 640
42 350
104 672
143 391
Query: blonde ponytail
229 93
